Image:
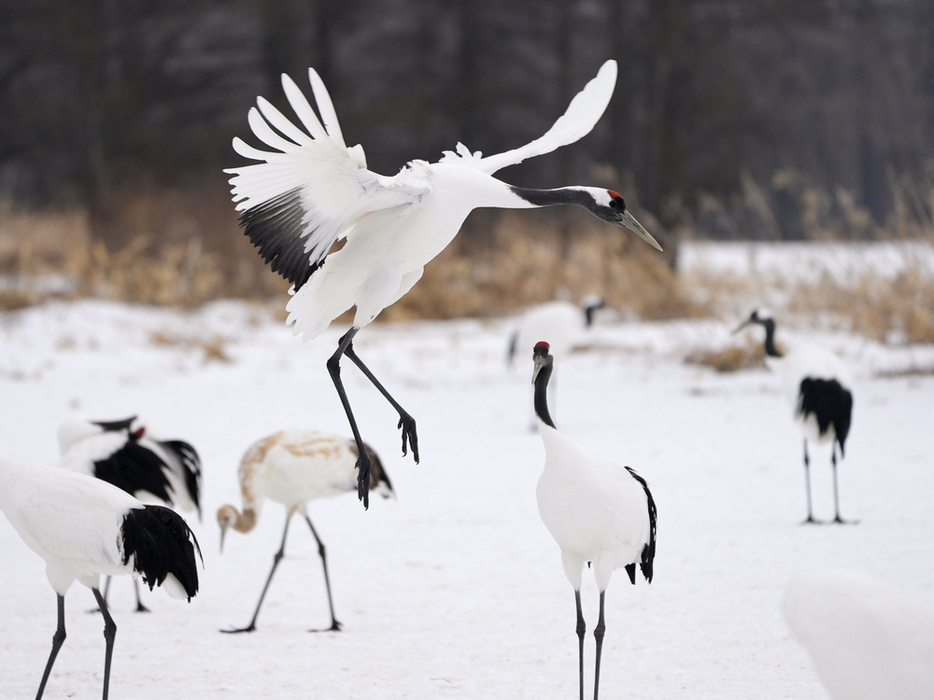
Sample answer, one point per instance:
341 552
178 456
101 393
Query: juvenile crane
293 468
84 527
599 512
122 453
816 384
311 191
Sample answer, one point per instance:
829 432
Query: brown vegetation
184 248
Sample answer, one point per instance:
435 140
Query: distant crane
560 323
295 467
312 191
816 384
598 511
84 527
121 452
868 639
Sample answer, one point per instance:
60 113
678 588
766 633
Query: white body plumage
594 508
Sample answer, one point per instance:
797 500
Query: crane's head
759 317
541 359
610 206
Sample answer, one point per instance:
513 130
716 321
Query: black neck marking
562 195
541 390
770 349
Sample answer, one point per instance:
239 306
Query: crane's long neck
562 195
770 349
541 391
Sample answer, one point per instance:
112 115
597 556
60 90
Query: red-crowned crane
816 384
294 467
599 512
84 528
311 191
123 453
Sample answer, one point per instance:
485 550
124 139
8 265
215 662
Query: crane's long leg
807 484
58 638
836 499
598 633
277 557
110 632
139 603
581 629
335 625
406 422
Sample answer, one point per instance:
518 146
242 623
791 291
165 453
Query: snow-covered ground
455 589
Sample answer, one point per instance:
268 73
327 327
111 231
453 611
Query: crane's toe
409 435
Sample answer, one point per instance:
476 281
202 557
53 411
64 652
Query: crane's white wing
577 121
308 192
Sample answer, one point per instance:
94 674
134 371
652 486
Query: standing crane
599 512
311 192
122 453
84 528
294 467
816 384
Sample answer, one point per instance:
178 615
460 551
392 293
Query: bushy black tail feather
647 564
134 468
191 464
830 402
160 543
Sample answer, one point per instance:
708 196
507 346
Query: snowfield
455 588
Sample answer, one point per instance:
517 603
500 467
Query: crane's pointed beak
629 221
223 532
741 326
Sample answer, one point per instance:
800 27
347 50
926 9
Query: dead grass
744 354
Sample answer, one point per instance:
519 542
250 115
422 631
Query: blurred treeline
761 119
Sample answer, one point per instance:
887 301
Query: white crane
122 453
294 467
311 191
599 512
816 384
84 528
868 639
562 324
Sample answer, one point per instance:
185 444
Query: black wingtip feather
276 227
160 543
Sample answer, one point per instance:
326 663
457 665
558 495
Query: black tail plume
161 543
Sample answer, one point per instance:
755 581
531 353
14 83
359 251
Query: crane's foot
249 628
363 478
142 608
409 435
841 521
335 627
811 520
